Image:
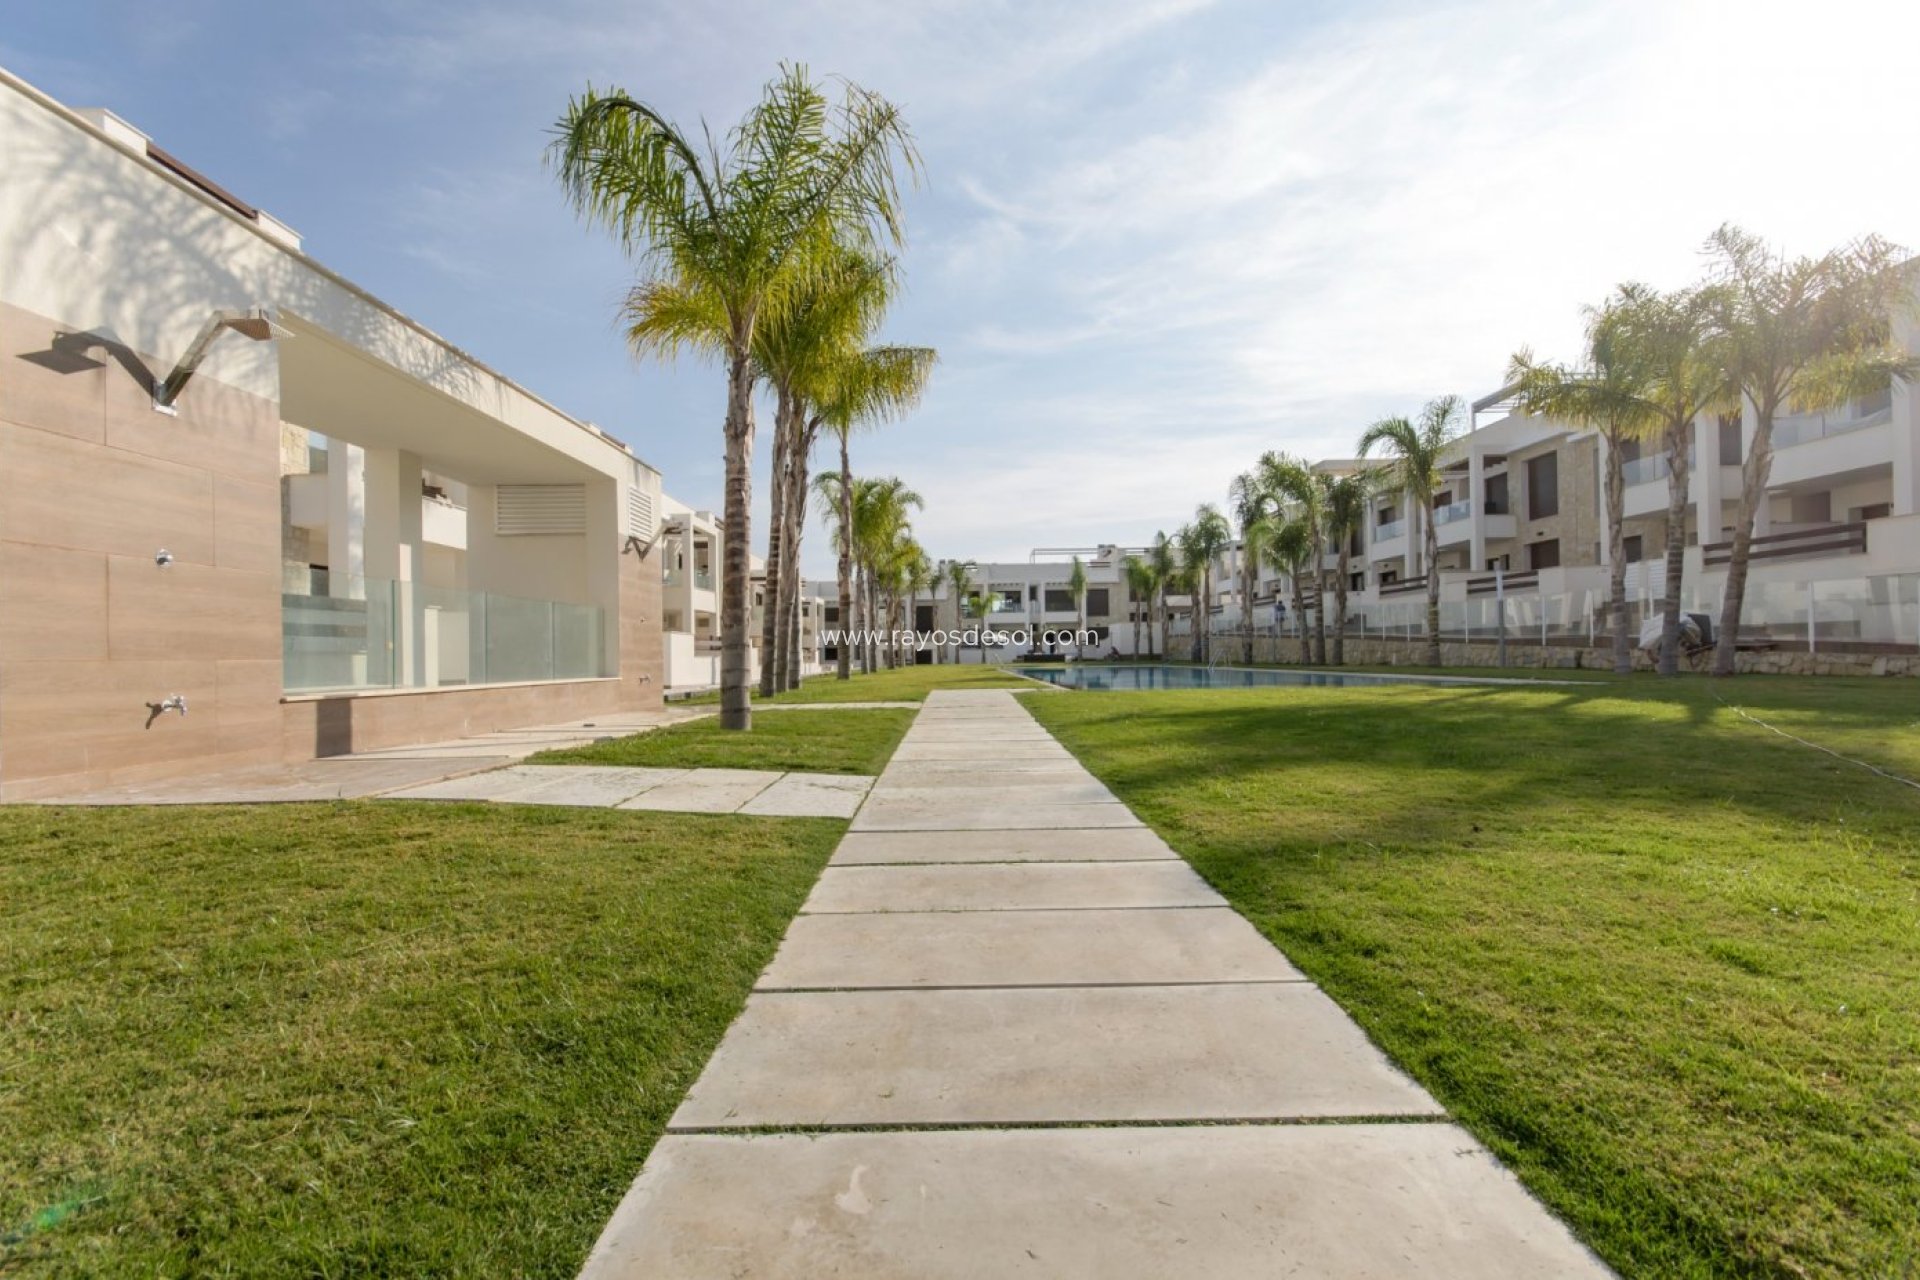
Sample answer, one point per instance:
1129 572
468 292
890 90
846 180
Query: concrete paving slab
1051 766
591 786
1269 1051
964 813
810 795
975 752
706 791
1017 886
1410 1201
989 790
1120 844
493 786
1023 948
336 778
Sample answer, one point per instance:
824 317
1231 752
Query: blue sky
1157 236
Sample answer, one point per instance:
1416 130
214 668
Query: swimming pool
1173 677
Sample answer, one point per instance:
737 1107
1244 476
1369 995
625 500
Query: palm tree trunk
776 532
1204 617
1340 608
1676 550
1753 491
845 648
1617 559
736 701
797 469
1319 597
1246 605
1431 541
1300 619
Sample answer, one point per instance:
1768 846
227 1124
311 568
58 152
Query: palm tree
1250 499
1294 482
880 540
1797 333
1289 545
800 351
1609 397
1672 341
1164 558
1414 464
1200 544
1346 502
959 576
1077 588
1141 582
868 387
743 222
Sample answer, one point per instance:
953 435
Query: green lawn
827 741
1663 961
360 1038
903 684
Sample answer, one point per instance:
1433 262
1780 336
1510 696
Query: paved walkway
1012 1034
764 792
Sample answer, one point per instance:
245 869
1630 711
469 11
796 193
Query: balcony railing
1452 511
1805 428
1822 540
703 579
1389 531
378 634
1645 469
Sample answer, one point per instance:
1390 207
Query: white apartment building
690 577
1520 514
1033 602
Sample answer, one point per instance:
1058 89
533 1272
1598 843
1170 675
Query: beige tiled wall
93 483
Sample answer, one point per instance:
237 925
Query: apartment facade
1523 546
691 569
1033 609
249 513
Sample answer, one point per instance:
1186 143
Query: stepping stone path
764 792
1012 1033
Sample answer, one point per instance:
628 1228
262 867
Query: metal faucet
172 702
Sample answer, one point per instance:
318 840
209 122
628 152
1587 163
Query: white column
346 520
1905 429
1477 494
394 552
1704 482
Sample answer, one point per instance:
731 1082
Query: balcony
1804 428
1818 540
703 579
1646 469
1389 531
1452 513
381 634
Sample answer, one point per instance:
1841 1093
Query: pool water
1175 677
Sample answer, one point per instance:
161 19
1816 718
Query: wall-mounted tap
172 702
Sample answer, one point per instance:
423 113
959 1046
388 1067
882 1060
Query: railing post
1810 641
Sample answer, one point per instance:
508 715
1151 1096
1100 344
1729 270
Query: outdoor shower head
256 324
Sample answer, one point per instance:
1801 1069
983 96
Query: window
1630 549
1543 488
923 617
1389 576
1384 515
1356 582
1503 563
1873 511
1544 555
1097 602
1729 439
1629 450
1497 494
1059 600
1444 498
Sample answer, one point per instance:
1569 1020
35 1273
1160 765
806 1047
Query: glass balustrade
372 633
